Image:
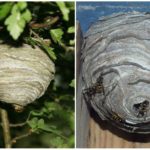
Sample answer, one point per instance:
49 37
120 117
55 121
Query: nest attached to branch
25 74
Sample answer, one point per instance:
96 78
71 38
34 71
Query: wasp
142 108
90 92
113 116
116 117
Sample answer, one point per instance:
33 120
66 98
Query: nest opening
141 109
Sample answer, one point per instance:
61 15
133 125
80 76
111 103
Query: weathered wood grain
82 114
103 135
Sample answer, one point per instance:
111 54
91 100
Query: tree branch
14 140
19 124
6 129
16 125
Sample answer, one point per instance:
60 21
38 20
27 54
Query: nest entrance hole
141 109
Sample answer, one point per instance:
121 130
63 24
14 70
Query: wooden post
104 135
82 114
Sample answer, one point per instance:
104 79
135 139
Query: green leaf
72 84
41 124
15 25
27 15
22 5
5 10
56 35
33 123
40 43
50 52
65 97
52 106
14 9
65 11
57 141
71 120
35 113
30 41
16 21
71 42
70 5
71 29
71 141
50 129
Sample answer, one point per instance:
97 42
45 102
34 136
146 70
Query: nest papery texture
25 74
117 48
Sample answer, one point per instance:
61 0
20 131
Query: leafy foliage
64 10
49 25
4 10
56 35
16 22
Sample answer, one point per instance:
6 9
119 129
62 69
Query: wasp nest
116 70
25 74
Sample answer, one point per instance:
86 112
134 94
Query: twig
16 125
38 38
67 48
34 25
19 124
35 34
6 128
14 140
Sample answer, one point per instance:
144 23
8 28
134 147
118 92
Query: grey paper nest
116 70
25 74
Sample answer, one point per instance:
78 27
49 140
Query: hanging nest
25 74
116 70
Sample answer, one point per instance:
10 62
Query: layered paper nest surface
116 49
25 73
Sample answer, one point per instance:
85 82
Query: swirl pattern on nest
117 50
25 74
